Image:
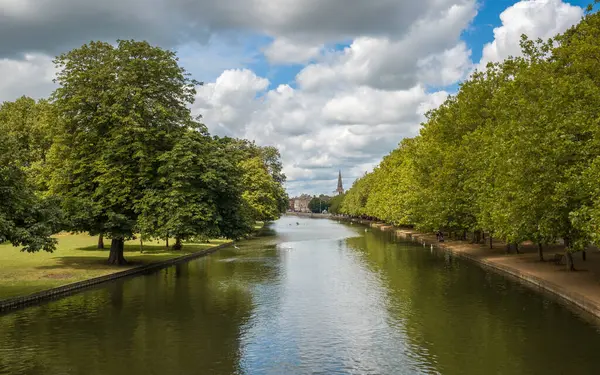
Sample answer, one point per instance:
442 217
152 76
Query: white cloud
388 63
535 18
227 101
365 105
31 76
317 133
53 26
445 68
285 51
351 107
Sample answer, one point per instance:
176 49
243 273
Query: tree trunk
583 255
507 251
517 247
491 244
167 242
116 252
141 244
570 264
540 252
101 241
178 244
568 254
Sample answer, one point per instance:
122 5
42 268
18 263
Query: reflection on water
311 296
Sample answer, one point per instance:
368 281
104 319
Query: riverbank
76 258
78 263
309 214
580 288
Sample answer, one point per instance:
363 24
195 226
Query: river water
311 296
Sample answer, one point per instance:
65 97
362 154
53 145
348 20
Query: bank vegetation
515 153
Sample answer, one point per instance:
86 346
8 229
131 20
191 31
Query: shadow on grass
153 249
151 254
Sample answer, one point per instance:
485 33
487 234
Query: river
310 296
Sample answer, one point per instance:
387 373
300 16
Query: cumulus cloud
365 105
50 26
285 51
31 76
445 68
535 18
317 133
346 109
394 63
227 101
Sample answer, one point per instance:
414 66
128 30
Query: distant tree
261 191
335 204
318 205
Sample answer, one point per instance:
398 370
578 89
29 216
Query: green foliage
120 109
335 204
262 181
515 152
26 219
118 152
318 205
261 191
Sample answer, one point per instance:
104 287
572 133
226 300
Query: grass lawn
76 258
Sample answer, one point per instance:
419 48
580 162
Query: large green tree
198 193
120 109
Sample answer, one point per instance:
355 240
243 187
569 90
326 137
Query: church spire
340 188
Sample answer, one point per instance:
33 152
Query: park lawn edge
19 301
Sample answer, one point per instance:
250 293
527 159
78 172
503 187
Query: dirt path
581 287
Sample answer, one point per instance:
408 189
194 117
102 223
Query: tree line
116 152
515 153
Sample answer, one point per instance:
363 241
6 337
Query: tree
335 204
515 152
198 193
262 179
261 193
30 124
355 200
318 205
119 110
26 219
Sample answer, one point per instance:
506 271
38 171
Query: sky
334 84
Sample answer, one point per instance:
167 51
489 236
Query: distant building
340 187
300 204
